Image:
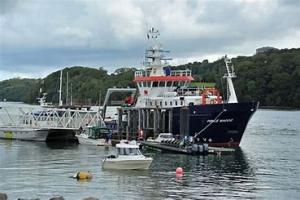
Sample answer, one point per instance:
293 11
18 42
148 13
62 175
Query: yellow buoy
83 175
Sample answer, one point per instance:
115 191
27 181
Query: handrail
143 73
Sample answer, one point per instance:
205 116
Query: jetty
42 123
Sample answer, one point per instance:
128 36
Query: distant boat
42 101
95 135
128 157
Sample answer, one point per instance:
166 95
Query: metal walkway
48 118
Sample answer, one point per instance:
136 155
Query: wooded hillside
273 78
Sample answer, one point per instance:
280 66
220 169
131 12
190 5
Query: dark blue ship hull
221 125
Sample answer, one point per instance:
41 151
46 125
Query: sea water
267 166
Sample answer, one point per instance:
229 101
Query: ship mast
154 56
231 95
60 85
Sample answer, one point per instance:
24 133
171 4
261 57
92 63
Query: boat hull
113 163
19 133
95 142
219 125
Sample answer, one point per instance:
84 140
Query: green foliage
17 89
85 85
273 78
203 84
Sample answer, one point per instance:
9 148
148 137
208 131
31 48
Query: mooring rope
208 125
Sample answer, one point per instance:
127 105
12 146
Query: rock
90 198
57 198
3 196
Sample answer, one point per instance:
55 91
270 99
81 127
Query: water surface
267 166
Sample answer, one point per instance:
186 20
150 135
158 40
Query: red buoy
179 171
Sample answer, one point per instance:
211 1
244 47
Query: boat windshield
129 151
166 136
96 132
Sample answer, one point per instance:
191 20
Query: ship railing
142 73
185 72
146 73
189 92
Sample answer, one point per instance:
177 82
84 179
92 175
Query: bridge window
155 84
161 84
166 103
170 103
176 103
175 84
160 103
169 83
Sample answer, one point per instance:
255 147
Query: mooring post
163 121
120 129
128 124
148 118
184 121
140 119
143 119
155 123
170 120
158 121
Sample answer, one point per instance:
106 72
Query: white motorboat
95 135
24 133
128 157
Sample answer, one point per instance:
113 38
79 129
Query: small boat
162 137
95 135
24 133
128 157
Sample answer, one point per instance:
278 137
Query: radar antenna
153 33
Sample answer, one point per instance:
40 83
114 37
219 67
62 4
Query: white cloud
111 33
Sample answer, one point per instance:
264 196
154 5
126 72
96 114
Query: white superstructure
160 86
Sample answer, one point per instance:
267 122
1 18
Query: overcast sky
38 37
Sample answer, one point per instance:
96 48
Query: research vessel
198 112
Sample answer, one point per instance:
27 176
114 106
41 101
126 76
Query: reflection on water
227 176
265 167
62 144
44 169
